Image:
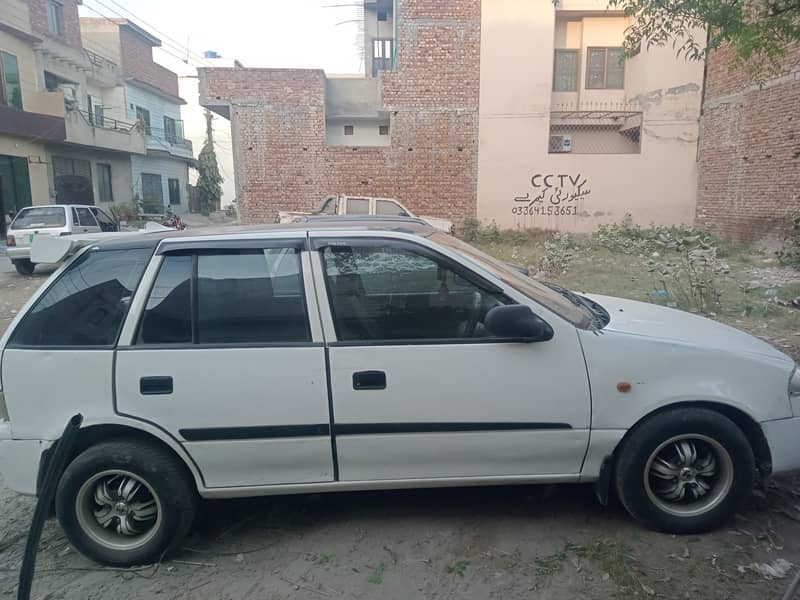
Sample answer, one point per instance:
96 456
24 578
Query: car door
227 357
419 387
106 223
84 220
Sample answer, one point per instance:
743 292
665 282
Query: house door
73 180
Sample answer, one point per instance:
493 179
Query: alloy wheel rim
688 475
118 510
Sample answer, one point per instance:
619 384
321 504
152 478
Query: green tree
209 181
758 31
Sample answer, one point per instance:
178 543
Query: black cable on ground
55 468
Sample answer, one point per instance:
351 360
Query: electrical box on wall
560 144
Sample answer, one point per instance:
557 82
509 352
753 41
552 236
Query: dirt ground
500 542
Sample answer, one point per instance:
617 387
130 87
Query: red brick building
408 130
749 152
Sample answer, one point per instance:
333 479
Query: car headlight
794 392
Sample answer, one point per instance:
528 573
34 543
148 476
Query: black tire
642 492
165 480
24 266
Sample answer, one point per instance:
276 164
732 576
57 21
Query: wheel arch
101 432
749 426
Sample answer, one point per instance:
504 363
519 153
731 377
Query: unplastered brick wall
749 184
70 21
278 124
137 62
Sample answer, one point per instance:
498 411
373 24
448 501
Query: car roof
407 225
60 205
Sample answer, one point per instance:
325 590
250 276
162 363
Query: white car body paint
668 357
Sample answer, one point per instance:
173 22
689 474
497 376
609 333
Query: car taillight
10 241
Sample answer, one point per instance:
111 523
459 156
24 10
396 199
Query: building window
605 69
174 191
10 89
383 130
565 71
143 115
172 132
152 193
55 18
349 130
104 182
383 15
382 55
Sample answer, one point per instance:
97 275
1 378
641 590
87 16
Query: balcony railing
100 61
97 120
171 138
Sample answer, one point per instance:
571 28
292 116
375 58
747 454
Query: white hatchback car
366 354
52 220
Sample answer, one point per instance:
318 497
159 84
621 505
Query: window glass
104 182
106 223
167 316
387 208
565 71
357 206
174 186
85 217
615 69
10 89
329 208
596 68
40 217
387 293
87 304
55 19
251 296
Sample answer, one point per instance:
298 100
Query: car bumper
15 253
19 461
783 437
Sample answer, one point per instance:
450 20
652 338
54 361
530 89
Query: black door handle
369 380
150 386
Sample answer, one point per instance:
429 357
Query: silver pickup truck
363 205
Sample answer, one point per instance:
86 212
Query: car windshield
575 313
40 217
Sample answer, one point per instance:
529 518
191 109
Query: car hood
659 322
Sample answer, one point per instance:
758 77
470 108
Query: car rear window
87 303
40 217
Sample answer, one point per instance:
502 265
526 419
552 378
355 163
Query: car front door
420 389
84 221
227 357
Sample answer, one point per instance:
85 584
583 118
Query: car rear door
84 221
227 357
421 390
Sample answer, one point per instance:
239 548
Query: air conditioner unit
560 144
70 95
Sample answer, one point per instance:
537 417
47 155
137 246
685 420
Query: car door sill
383 484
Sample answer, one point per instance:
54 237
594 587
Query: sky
317 34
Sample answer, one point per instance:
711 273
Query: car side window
85 217
106 223
385 293
88 302
247 296
167 316
357 206
329 208
387 208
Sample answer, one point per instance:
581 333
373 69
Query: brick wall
278 124
72 29
137 62
749 151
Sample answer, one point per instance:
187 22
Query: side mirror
517 322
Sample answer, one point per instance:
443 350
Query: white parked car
360 206
366 354
52 220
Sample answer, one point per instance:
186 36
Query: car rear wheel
24 266
685 470
126 503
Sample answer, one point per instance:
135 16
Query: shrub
125 212
628 238
789 254
559 251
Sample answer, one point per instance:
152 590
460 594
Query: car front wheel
685 470
24 266
126 503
